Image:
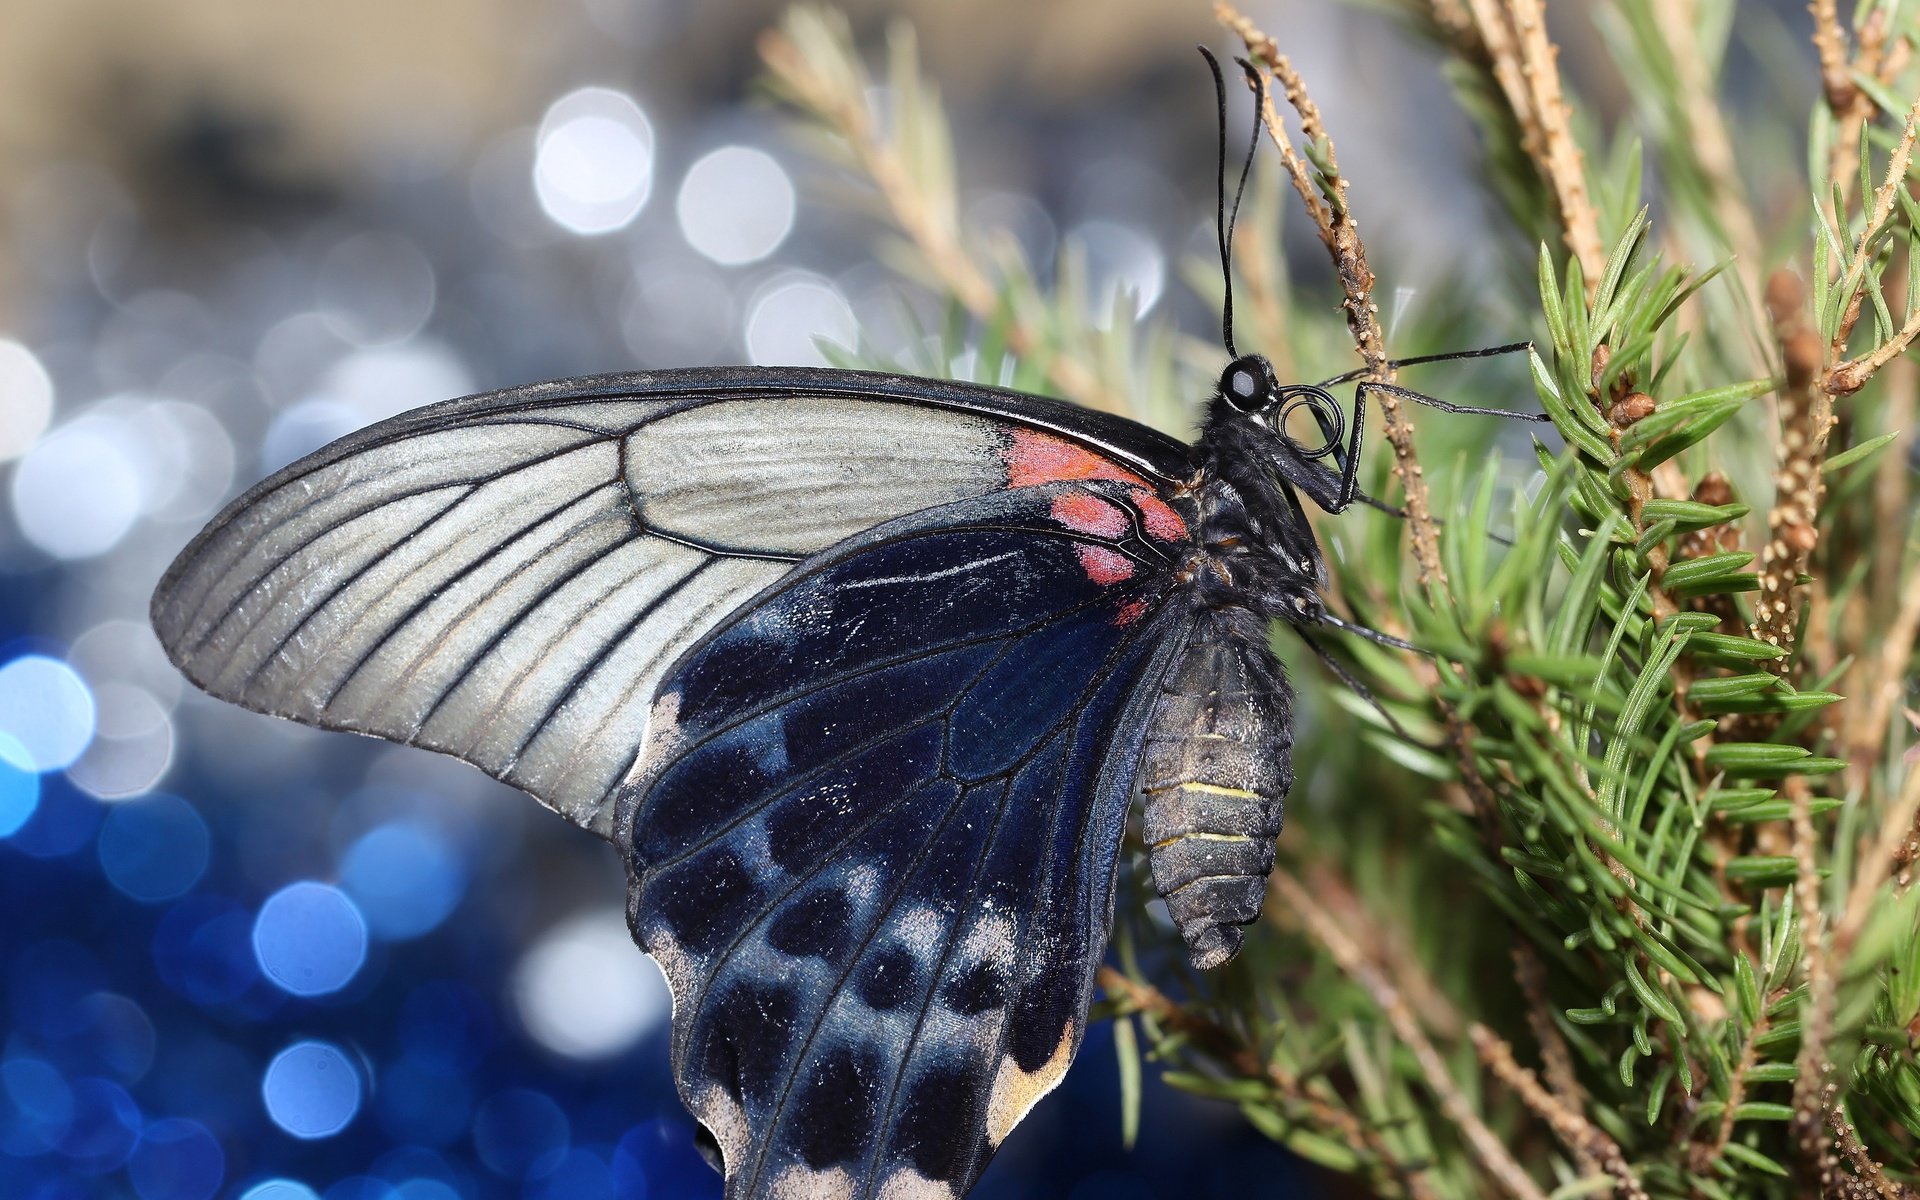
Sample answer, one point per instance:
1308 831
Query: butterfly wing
874 841
849 665
506 578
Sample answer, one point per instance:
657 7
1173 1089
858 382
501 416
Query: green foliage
1637 842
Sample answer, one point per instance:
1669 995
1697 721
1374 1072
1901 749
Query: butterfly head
1248 384
1249 387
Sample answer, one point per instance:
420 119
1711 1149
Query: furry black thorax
1256 552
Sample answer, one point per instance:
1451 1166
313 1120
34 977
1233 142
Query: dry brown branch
1705 1153
932 227
1555 1056
1893 478
1806 417
1854 280
1830 44
1223 1045
1495 30
1559 156
1850 105
1812 1070
1677 21
1576 1133
1852 375
1492 1153
1511 36
1333 219
1867 736
1868 1181
1387 947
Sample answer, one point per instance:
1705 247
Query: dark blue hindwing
874 847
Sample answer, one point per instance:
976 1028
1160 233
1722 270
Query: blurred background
241 958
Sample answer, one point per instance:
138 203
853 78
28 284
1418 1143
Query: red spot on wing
1087 513
1161 521
1104 566
1129 612
1036 458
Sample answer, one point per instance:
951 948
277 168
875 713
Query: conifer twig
1221 1043
1576 1133
1851 105
1333 221
837 98
1847 378
1493 1154
1525 63
1560 158
1806 417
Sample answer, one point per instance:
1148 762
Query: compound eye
1247 384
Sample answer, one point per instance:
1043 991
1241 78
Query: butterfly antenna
1224 217
1418 359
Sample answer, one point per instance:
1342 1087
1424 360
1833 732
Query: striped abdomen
1216 766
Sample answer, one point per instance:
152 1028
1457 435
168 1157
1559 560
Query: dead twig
1492 1153
1576 1133
1223 1045
1806 417
1326 203
839 100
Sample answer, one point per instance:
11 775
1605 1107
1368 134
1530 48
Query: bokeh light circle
279 1189
304 428
736 205
105 1128
177 1159
203 949
375 288
790 315
521 1134
154 849
78 491
580 1175
310 938
132 745
1121 261
29 392
593 161
19 786
423 1101
311 1090
404 877
584 991
46 713
48 984
36 1107
117 1040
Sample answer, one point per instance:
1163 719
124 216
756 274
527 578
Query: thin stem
1575 1132
1340 234
842 103
1492 1153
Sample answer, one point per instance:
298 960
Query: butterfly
860 673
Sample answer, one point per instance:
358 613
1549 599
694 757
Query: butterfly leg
1359 689
1393 389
